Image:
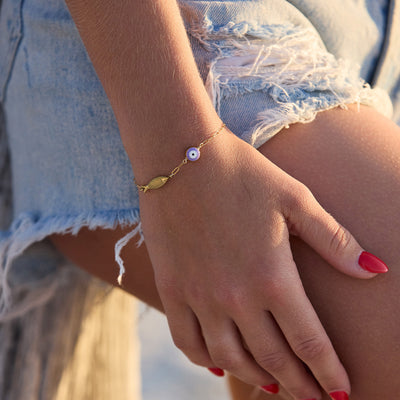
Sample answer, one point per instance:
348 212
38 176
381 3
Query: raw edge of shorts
290 64
29 228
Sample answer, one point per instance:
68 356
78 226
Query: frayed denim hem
277 75
28 228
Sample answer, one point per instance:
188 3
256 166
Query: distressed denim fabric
266 64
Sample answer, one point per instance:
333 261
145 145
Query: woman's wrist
166 147
192 154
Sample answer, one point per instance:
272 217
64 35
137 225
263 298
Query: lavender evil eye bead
193 154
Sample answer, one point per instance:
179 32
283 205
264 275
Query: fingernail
272 389
339 396
217 371
371 263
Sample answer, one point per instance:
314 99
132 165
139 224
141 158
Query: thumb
332 241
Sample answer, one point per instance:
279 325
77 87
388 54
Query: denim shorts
266 64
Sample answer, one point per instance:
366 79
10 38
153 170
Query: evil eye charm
193 154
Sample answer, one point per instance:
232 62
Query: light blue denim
266 64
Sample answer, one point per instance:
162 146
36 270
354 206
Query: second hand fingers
306 336
270 349
186 333
225 347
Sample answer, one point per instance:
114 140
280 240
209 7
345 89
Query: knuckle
340 240
276 290
301 198
183 344
228 361
195 294
230 299
311 348
193 352
168 287
273 362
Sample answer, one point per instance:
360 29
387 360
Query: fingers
307 338
290 334
186 333
225 346
271 351
259 347
221 347
332 241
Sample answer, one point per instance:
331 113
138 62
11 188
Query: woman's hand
218 238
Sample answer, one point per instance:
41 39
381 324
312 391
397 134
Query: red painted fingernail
272 389
371 263
217 371
339 396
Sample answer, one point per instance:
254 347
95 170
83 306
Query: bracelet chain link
161 180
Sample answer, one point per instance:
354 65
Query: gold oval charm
157 182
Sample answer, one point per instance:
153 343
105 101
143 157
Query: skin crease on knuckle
340 241
274 363
298 200
227 359
312 348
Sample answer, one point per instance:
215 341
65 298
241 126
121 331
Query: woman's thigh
350 161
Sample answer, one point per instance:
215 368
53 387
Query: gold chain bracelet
192 154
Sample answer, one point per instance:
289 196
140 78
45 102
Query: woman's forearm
143 58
